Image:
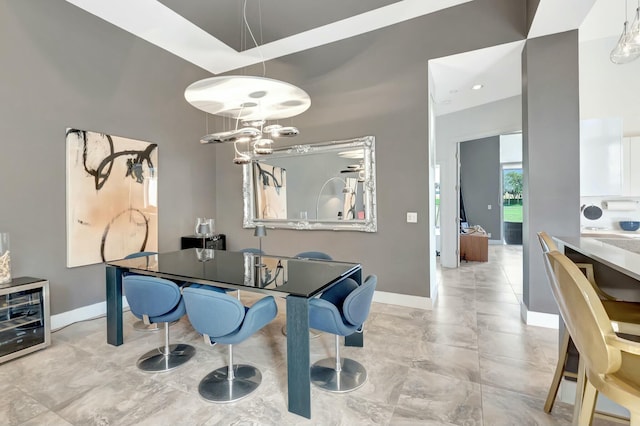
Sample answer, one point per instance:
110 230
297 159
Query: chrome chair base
324 375
312 333
157 361
216 387
141 326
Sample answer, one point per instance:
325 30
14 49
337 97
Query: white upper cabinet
631 166
601 168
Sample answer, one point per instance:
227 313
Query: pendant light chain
244 15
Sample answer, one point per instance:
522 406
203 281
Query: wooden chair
624 316
609 364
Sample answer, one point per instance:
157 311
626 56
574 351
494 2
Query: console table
474 247
216 242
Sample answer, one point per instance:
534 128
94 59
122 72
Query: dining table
297 280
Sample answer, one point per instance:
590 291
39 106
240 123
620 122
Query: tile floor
469 361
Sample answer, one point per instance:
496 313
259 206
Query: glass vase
5 258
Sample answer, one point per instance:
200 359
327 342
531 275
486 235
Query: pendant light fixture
250 101
627 49
634 33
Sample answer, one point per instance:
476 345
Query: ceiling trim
161 26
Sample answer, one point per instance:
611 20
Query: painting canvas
271 191
112 207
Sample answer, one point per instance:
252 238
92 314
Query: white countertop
597 232
598 249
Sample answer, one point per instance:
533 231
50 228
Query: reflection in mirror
328 185
271 270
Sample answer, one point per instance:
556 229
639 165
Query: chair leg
231 382
588 404
559 373
580 389
338 374
141 326
166 357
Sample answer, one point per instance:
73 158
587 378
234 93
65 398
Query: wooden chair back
584 315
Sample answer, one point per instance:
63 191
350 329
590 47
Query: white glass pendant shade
245 134
263 147
241 158
622 53
278 131
633 39
247 97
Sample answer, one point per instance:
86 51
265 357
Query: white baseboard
407 300
538 319
100 309
81 314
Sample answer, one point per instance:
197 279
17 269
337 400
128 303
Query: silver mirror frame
368 224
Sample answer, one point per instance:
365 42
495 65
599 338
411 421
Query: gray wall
480 183
62 67
375 84
550 154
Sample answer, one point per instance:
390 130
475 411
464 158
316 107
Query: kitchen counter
609 233
621 254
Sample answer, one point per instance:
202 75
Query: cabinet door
601 157
630 166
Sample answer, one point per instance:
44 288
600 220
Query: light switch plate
412 217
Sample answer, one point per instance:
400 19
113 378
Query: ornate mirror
328 186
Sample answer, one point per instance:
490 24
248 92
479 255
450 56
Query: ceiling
211 35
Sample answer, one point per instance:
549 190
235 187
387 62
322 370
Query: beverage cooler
24 317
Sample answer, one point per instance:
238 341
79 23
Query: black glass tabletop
295 276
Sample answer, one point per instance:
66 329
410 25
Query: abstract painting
112 201
271 191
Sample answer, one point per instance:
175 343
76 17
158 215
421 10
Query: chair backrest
583 313
140 254
314 255
150 296
212 313
358 303
546 242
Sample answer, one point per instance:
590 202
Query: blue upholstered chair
341 310
317 255
313 255
140 325
157 300
223 319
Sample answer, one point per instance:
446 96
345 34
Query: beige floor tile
468 361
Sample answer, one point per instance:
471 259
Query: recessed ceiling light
477 86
